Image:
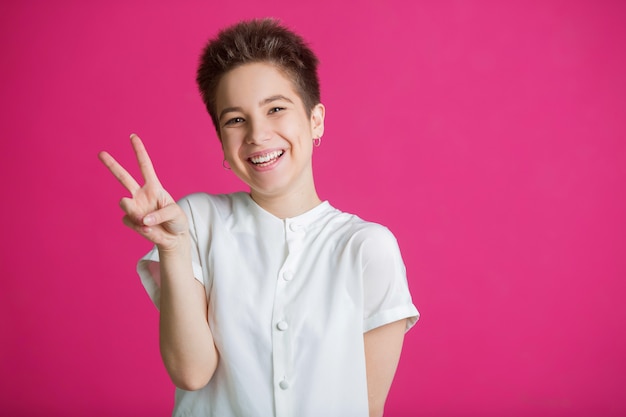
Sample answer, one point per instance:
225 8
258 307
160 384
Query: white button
282 325
284 384
288 275
295 227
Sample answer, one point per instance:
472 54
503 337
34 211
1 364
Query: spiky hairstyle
258 40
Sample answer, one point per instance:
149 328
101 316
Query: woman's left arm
382 353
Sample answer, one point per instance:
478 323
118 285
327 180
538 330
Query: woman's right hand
151 211
186 341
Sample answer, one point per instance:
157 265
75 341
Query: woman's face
266 134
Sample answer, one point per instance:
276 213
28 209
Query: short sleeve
386 296
148 266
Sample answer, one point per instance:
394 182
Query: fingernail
148 220
131 135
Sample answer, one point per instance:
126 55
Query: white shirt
289 301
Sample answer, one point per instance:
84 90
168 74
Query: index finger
119 172
145 164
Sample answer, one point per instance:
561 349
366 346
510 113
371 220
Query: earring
225 164
317 142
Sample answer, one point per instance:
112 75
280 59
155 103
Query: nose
258 132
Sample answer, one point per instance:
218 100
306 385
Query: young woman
272 302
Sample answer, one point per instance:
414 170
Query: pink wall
488 135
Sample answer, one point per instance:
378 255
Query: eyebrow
263 102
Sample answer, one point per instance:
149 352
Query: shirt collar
303 219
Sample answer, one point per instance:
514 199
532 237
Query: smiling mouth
266 159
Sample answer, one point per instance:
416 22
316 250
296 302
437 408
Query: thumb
171 218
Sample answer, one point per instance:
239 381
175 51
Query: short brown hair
258 40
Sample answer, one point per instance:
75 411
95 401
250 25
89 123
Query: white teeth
261 159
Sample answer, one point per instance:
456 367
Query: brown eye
234 120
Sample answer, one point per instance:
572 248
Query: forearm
383 346
187 346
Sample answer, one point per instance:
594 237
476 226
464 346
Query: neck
289 205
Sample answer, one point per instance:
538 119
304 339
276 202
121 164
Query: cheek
296 130
229 148
231 138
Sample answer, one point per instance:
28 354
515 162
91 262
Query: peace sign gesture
150 210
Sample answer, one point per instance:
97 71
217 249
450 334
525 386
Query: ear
317 120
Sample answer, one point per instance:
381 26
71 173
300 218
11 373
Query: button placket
295 236
281 351
295 233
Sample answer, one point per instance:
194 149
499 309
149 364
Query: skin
260 114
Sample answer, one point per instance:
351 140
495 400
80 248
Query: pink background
489 136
